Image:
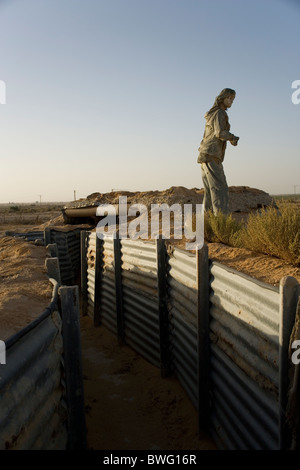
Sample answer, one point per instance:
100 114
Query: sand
25 290
129 406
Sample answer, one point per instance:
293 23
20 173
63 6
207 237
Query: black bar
69 297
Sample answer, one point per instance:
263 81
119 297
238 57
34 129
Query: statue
212 151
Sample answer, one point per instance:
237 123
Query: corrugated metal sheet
91 260
140 298
32 413
31 236
68 246
244 332
182 289
108 290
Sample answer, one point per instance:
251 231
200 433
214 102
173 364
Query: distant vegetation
30 208
28 214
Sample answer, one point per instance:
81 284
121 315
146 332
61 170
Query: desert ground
128 404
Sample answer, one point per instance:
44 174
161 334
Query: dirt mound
25 290
245 199
241 198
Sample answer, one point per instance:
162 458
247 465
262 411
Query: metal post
69 296
118 287
203 337
83 259
47 236
52 250
98 278
53 270
289 293
161 254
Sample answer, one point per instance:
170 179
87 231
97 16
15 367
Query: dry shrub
271 231
221 228
274 232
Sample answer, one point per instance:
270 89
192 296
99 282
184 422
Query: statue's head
225 98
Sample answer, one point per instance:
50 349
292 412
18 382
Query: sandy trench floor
129 406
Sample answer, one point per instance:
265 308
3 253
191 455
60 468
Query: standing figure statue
212 152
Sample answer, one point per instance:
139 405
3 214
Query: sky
101 95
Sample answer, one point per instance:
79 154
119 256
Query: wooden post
69 297
83 260
98 279
118 287
203 337
289 292
161 254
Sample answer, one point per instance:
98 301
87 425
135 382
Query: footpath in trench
129 406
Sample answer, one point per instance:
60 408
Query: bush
221 228
271 231
14 208
274 232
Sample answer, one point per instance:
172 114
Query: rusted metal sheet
244 332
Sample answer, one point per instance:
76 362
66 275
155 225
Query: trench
128 404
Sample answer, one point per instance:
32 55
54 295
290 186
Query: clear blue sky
111 94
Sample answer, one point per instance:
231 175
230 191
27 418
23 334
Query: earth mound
242 199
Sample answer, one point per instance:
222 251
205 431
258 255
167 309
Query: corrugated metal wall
183 314
243 376
139 298
244 332
108 308
91 263
33 411
68 247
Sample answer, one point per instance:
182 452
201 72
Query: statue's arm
221 128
